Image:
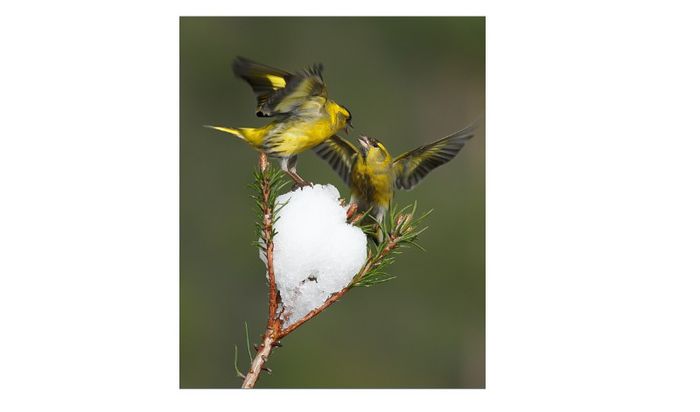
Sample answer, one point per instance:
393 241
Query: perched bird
373 175
303 115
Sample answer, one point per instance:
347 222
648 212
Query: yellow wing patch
278 91
276 81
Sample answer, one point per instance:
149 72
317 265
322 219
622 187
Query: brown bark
258 362
273 323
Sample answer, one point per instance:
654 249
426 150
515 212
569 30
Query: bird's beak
364 143
348 125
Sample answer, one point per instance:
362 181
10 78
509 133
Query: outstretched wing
278 91
410 168
339 153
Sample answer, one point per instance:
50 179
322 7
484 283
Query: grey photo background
407 81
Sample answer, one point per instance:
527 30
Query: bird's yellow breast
304 135
305 130
372 183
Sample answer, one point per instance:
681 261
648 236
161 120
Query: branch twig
273 322
258 362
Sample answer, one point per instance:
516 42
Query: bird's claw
352 209
300 184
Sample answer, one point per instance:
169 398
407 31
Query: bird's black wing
340 154
410 168
279 91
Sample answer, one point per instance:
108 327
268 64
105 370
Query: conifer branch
400 229
268 186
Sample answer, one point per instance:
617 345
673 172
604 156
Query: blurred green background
407 81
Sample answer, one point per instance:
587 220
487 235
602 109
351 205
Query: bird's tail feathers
252 136
233 131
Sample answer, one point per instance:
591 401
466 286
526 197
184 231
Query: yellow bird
303 115
373 175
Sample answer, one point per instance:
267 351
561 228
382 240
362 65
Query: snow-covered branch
313 255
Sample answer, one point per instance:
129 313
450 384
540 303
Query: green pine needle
247 342
235 362
274 180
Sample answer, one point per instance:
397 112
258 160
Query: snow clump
316 252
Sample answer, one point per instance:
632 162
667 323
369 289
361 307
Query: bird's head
343 117
373 150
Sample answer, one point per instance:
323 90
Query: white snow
316 251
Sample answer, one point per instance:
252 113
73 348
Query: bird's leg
298 180
379 214
289 165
